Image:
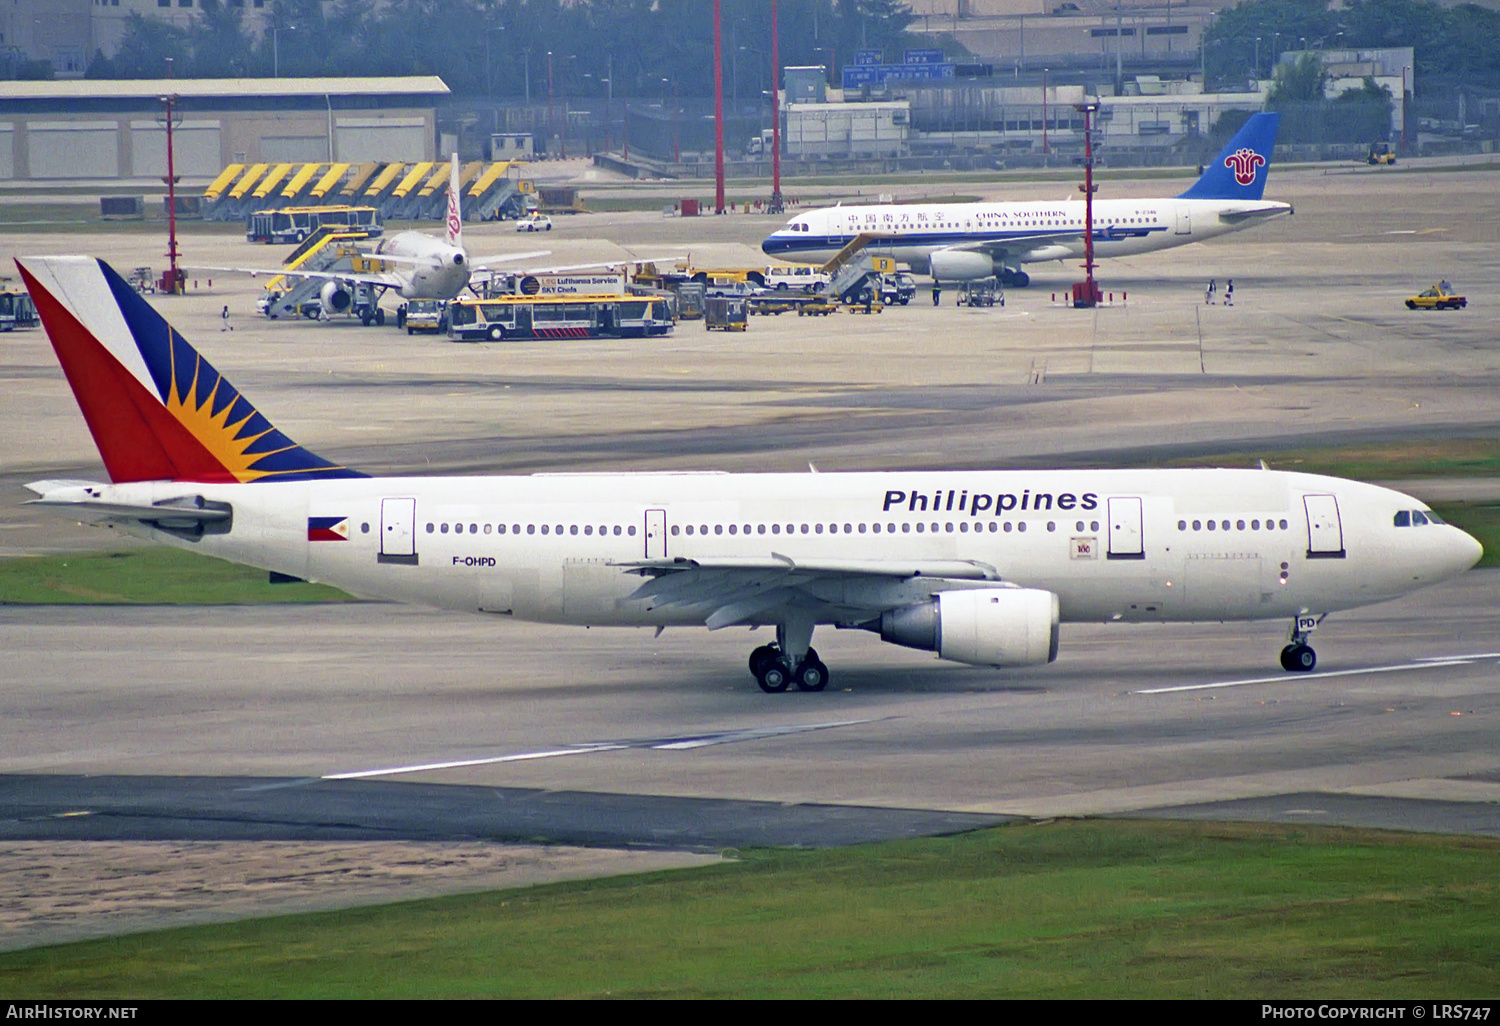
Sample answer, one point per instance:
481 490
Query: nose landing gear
1298 656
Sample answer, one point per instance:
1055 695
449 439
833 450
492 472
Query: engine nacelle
980 626
960 265
335 297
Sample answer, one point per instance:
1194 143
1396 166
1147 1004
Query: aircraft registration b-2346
979 566
970 241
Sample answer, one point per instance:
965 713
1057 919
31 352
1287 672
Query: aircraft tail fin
455 209
156 408
1239 171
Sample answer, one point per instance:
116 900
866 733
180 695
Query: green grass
1068 909
1439 457
1480 520
154 575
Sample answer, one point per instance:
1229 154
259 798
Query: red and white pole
718 114
777 204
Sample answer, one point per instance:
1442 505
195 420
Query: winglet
157 410
1239 171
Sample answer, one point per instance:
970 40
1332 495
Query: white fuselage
437 269
913 232
1132 545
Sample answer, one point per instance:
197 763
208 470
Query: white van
796 277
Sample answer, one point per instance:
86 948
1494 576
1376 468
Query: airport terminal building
87 129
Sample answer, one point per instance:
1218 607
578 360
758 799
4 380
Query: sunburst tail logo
157 409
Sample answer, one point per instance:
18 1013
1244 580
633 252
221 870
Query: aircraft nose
1466 550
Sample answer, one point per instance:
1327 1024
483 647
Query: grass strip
148 575
1068 909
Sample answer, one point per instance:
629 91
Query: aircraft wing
728 592
1018 247
385 279
502 258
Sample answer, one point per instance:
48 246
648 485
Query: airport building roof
224 88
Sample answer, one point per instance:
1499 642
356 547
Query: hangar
116 129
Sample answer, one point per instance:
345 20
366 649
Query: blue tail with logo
1239 171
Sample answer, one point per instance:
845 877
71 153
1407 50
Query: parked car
534 223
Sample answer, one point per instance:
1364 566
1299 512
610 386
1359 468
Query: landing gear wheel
772 676
379 318
760 655
811 675
1298 658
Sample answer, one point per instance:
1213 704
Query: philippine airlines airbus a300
969 241
978 566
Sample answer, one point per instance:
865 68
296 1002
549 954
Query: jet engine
961 265
980 626
335 297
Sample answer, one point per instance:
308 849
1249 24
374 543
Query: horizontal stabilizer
95 503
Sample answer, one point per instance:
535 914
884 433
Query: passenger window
1007 527
531 529
443 528
486 528
429 528
630 530
1021 527
544 528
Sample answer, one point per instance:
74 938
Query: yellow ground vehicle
294 224
16 309
1380 153
525 317
1440 297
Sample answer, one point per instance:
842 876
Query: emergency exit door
656 534
398 531
1125 535
1325 532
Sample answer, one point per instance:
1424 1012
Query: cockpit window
1417 518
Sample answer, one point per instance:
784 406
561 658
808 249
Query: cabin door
1325 533
656 534
1125 535
398 530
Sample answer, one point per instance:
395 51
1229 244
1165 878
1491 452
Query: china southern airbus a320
979 566
969 241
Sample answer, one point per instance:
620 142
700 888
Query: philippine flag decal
327 529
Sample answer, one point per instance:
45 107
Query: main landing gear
1015 279
790 661
771 672
1298 656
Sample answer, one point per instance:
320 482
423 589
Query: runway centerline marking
675 743
1290 677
